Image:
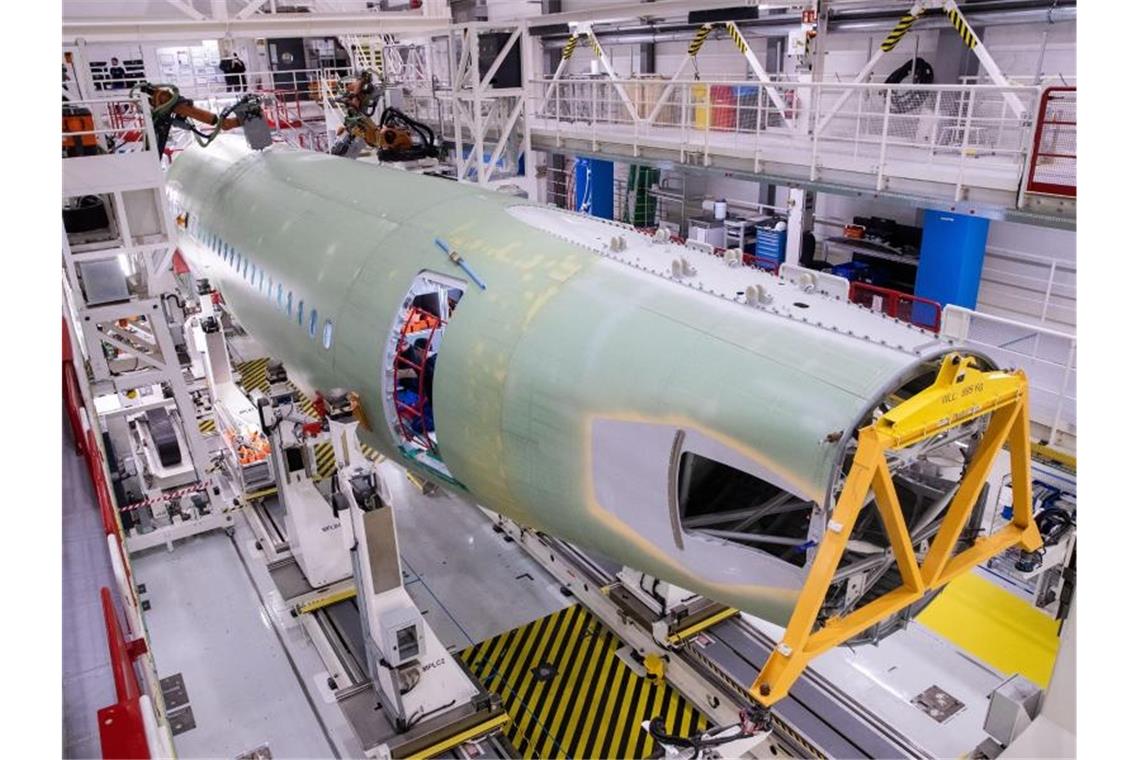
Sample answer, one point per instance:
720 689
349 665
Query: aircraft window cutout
327 338
301 312
313 324
410 361
720 501
289 304
280 296
245 269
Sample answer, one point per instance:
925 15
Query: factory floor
87 681
250 674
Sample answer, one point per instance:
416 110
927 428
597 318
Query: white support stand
312 525
801 217
411 670
484 113
120 293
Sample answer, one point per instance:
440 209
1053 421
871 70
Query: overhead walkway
959 147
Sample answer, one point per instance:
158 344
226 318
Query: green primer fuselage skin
566 390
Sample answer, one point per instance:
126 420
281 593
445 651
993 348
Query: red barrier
919 311
122 733
73 401
1053 163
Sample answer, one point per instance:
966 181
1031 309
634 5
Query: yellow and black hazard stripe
596 45
900 30
206 426
699 39
958 21
737 37
254 377
569 694
568 49
325 459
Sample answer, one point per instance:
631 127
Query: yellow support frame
960 393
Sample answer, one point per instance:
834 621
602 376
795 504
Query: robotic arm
395 135
170 109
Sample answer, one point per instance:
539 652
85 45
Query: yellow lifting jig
960 393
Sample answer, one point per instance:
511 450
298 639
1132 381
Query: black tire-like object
89 213
908 101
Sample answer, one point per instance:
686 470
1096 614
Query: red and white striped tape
168 496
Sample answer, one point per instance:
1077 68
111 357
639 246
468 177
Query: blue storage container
950 261
859 271
594 187
771 245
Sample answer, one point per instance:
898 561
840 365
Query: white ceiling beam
249 9
662 8
258 25
187 9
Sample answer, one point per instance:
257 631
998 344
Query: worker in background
117 74
234 70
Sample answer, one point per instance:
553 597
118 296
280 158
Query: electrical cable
920 72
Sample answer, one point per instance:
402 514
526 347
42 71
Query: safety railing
1049 358
1053 164
105 125
919 311
1030 287
952 134
291 100
134 726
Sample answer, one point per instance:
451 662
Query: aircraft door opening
409 365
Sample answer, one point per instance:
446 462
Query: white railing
1030 287
964 136
106 125
1049 358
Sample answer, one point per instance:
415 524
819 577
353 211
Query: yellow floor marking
592 705
999 628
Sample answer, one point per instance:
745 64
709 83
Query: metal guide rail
331 618
335 630
714 666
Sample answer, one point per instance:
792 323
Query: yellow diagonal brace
887 500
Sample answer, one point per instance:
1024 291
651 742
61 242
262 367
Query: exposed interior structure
410 361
